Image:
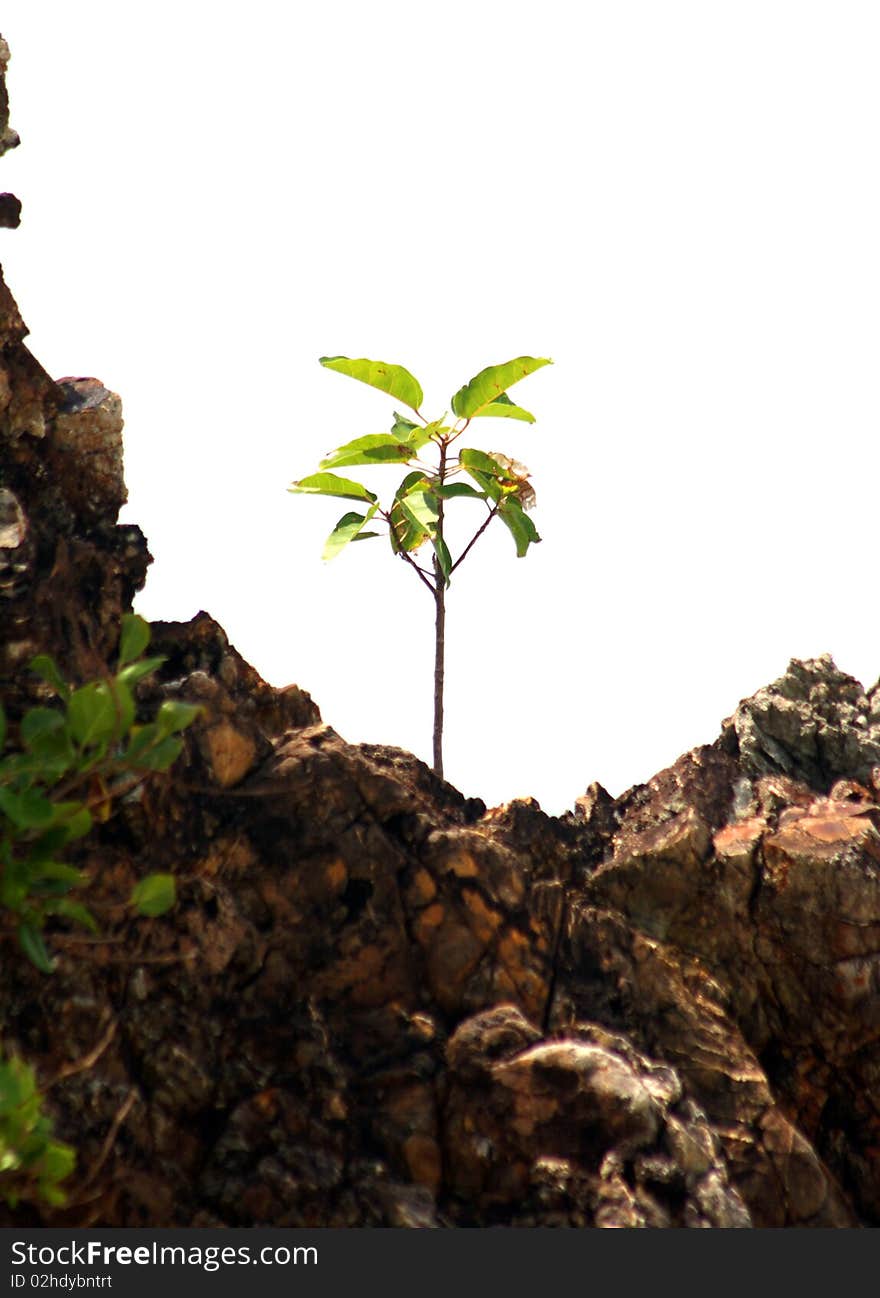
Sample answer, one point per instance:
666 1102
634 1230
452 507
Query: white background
678 202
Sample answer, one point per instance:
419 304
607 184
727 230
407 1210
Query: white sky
679 202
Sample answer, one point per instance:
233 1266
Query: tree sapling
417 513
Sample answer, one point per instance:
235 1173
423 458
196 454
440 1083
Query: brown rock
87 442
229 753
565 1125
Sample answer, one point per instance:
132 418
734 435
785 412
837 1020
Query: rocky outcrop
378 1002
815 724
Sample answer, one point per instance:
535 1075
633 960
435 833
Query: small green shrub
68 767
72 763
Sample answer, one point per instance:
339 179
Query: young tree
417 513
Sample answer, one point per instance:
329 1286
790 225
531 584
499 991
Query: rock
654 872
88 441
815 724
10 209
563 1129
8 138
16 556
596 807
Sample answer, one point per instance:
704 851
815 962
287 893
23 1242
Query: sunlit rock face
378 1002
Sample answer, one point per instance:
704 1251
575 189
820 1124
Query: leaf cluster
70 765
72 762
32 1162
416 513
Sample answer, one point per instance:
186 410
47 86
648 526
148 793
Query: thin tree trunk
439 630
439 649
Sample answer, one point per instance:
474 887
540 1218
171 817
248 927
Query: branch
472 542
417 570
121 1114
386 514
85 1061
113 766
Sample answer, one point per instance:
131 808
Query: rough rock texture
378 1002
10 207
815 723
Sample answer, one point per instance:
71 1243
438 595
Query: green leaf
328 484
46 668
444 558
411 482
134 638
39 722
142 738
93 757
173 717
402 426
375 448
492 383
92 714
393 379
17 1085
451 489
134 672
349 527
72 820
520 526
55 872
46 846
154 895
28 809
420 508
403 533
124 703
31 942
435 428
497 474
503 408
157 756
489 485
75 911
13 891
345 530
58 1161
44 733
21 769
472 459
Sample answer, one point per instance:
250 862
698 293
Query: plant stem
439 627
420 573
472 542
439 648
